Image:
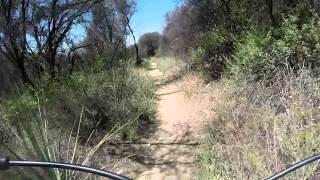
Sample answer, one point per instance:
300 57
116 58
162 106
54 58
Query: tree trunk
24 75
138 59
51 67
228 12
52 62
270 12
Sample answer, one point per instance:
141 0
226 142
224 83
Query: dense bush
293 45
210 55
34 138
267 111
211 30
250 56
266 114
109 99
257 130
149 44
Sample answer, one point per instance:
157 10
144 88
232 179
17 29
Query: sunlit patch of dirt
183 107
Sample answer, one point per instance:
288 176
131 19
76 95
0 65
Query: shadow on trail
161 153
166 145
175 77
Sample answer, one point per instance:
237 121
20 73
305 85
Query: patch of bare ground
168 149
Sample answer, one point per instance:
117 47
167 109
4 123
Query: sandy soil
170 151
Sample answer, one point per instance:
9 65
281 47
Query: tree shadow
175 77
167 156
168 151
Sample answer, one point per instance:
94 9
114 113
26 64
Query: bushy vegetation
267 113
75 113
66 96
262 57
166 65
149 44
210 56
34 138
291 46
110 99
265 55
259 130
211 31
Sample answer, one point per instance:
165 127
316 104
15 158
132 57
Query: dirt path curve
171 152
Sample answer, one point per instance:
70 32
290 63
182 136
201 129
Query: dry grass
258 130
167 65
168 69
192 85
98 106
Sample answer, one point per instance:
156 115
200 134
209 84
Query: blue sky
150 16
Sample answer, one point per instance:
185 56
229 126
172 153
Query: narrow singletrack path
174 161
169 151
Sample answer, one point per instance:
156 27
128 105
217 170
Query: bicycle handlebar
6 163
295 167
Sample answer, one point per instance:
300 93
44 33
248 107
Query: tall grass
258 129
166 69
166 65
70 119
34 141
267 111
109 98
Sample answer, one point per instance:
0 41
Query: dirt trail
172 142
175 126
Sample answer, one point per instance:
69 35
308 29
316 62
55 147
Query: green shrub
290 47
299 46
70 118
267 113
115 98
210 55
34 141
250 56
257 130
110 98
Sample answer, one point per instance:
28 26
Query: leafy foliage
109 98
292 46
258 130
266 115
149 44
34 140
214 47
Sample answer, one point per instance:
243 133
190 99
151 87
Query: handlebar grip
4 163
